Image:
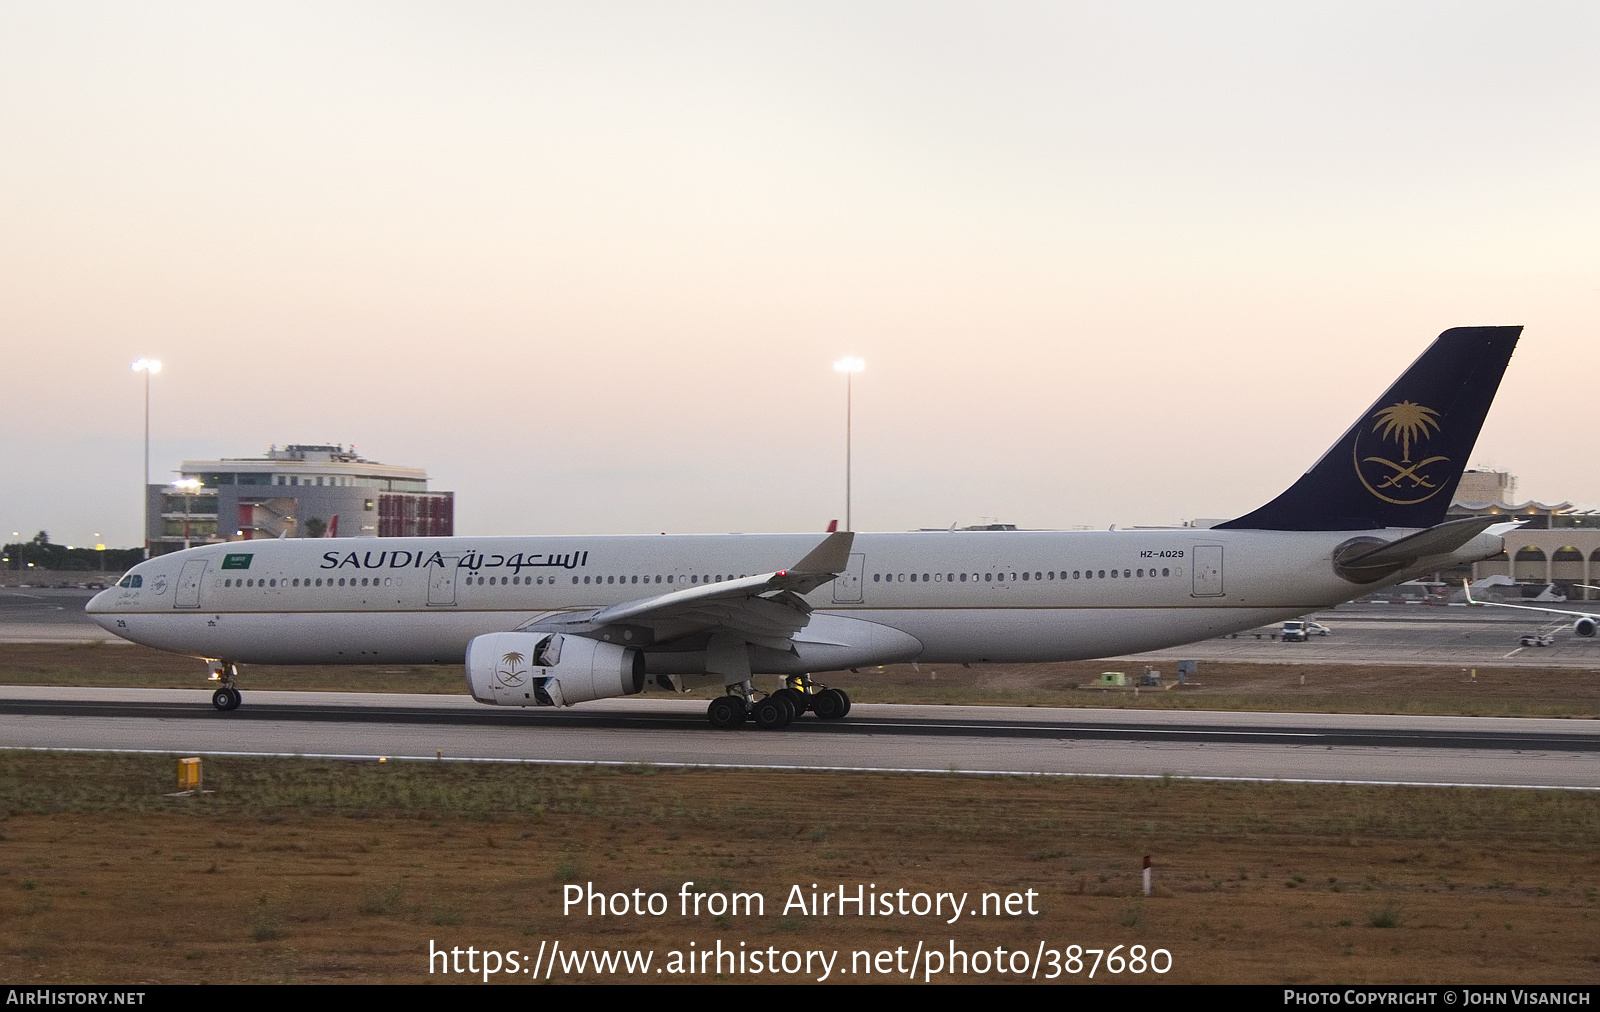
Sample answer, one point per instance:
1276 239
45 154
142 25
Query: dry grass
320 871
1322 688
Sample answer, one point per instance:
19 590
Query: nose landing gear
227 697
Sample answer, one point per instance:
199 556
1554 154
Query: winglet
831 557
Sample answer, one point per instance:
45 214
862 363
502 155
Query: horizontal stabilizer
1440 540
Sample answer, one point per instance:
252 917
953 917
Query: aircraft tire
726 711
226 698
830 704
846 696
797 699
773 713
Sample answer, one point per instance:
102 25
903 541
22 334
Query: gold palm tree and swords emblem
507 671
1402 481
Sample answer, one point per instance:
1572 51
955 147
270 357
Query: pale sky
590 263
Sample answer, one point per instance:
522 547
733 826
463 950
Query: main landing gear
777 709
227 697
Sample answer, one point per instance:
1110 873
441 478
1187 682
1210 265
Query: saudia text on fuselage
474 561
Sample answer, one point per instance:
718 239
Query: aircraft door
1206 567
188 593
847 585
442 583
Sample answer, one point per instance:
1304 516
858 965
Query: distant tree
316 527
42 538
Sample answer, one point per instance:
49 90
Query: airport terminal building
1558 543
295 491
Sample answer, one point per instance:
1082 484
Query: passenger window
913 577
1024 576
1102 575
988 577
1038 576
1113 574
1074 574
924 577
585 579
1127 573
877 577
963 577
1164 572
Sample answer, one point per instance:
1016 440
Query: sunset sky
590 263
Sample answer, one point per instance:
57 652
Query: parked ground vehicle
1537 640
1316 628
1294 631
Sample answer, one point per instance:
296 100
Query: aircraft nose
98 607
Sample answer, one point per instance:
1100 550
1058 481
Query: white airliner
1585 623
552 621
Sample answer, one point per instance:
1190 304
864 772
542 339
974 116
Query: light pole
849 366
188 485
146 366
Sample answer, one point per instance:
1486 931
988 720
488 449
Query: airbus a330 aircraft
552 621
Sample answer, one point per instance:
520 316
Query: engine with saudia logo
550 669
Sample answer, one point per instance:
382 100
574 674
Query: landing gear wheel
830 704
226 698
797 699
773 712
846 696
726 711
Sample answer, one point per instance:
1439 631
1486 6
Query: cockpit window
131 580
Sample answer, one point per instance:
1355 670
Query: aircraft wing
766 609
1524 607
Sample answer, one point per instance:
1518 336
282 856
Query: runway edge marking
803 769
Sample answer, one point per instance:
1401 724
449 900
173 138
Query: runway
1345 748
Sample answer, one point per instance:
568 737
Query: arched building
1558 543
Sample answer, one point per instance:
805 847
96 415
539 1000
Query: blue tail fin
1399 465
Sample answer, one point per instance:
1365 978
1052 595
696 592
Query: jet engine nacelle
550 669
1586 626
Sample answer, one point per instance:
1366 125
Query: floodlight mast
848 365
147 366
188 485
